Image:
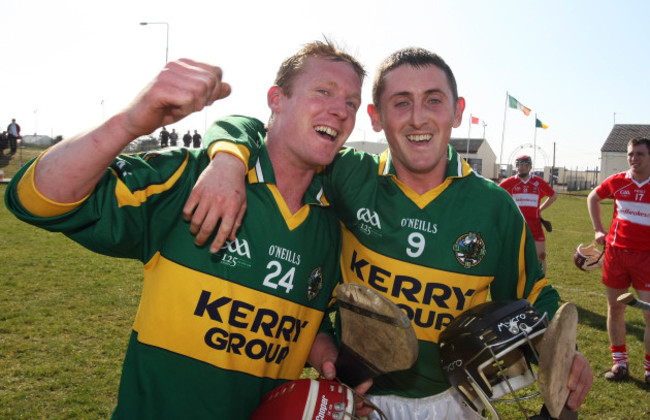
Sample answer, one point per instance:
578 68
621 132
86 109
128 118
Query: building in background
613 154
479 155
374 147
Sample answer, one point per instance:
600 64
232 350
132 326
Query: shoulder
166 164
492 199
542 182
617 179
489 187
508 181
349 155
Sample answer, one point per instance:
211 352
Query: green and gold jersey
213 333
435 255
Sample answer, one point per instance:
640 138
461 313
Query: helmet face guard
485 352
523 159
521 170
588 257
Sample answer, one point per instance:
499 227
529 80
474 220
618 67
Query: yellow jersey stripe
125 197
35 202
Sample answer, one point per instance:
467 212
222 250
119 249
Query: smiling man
213 334
420 227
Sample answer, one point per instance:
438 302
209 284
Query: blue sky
574 63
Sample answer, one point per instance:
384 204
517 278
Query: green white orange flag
515 104
540 124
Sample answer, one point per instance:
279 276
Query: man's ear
374 118
273 98
458 116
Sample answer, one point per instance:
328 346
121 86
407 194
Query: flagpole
503 132
535 143
468 133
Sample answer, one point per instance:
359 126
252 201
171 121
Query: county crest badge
314 283
469 249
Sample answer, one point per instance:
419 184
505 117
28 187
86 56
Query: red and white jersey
630 227
528 194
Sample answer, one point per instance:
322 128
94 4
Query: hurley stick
629 299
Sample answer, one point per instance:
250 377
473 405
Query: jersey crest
314 283
469 249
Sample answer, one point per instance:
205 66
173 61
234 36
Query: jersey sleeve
546 189
238 135
506 184
127 212
349 173
604 190
523 278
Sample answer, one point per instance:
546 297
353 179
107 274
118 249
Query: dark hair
414 57
295 65
639 140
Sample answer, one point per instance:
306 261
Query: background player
627 251
528 190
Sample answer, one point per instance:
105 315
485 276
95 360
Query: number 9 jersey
435 255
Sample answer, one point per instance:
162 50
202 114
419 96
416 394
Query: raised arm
69 170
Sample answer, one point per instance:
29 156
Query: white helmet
588 257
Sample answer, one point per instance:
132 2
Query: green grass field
66 315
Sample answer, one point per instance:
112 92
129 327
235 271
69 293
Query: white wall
612 163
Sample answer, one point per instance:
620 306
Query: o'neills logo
322 410
284 254
421 225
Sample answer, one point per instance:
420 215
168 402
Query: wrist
119 130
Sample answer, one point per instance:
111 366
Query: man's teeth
419 137
327 130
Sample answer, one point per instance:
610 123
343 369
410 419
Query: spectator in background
173 138
164 137
528 190
187 139
196 140
13 133
4 142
